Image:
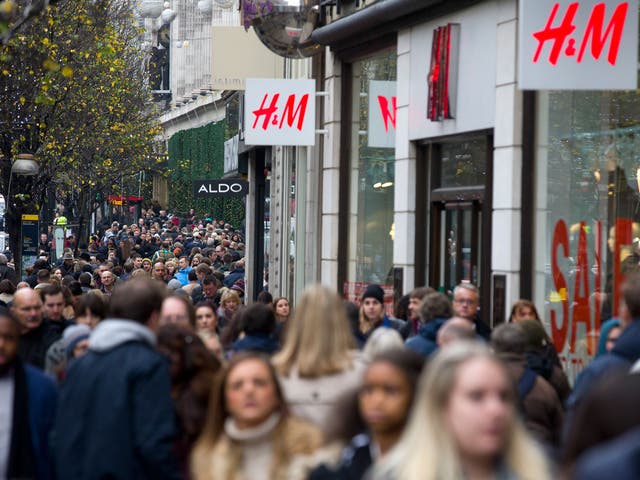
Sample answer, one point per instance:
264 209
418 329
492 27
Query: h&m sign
578 45
279 112
443 73
228 187
383 109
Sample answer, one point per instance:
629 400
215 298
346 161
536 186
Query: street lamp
25 164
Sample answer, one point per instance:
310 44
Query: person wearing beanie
372 316
75 340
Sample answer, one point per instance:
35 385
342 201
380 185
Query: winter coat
313 398
402 327
292 440
623 355
356 460
425 342
35 400
257 343
182 275
34 344
543 365
116 418
230 279
618 458
541 406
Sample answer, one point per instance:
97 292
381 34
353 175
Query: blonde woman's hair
318 338
229 294
366 325
427 448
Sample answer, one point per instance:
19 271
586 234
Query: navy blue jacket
402 327
623 355
618 458
257 343
116 418
425 342
233 277
43 398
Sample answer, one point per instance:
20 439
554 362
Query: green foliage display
198 154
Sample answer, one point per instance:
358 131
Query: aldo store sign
228 187
279 112
578 45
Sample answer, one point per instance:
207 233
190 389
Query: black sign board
228 187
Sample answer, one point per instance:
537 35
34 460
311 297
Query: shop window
371 228
587 213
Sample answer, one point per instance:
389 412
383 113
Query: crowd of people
137 356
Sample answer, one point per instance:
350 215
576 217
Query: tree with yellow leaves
74 92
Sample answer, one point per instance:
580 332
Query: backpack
526 382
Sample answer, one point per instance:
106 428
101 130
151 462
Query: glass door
457 228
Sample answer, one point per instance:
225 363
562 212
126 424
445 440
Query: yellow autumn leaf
67 72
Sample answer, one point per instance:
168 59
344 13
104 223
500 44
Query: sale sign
279 112
578 45
383 106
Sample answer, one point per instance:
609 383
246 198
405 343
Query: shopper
249 432
464 424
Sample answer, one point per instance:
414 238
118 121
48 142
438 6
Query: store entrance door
457 243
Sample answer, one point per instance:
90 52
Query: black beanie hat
374 291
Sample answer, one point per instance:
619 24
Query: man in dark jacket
116 417
466 304
6 272
27 408
37 334
433 312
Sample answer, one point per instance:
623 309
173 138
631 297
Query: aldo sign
578 45
229 187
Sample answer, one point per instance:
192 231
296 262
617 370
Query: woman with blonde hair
464 424
249 432
318 361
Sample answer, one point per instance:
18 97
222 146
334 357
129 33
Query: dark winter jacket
618 458
355 462
116 418
230 279
35 401
402 327
623 355
34 344
541 406
425 342
257 343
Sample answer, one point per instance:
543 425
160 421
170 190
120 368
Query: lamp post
23 165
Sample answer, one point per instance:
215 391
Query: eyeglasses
465 301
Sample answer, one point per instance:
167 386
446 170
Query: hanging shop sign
231 155
443 73
383 107
279 112
229 187
578 45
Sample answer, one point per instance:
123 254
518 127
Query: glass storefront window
587 213
464 164
371 228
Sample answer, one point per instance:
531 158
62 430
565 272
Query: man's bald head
27 307
454 329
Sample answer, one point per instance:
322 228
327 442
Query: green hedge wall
198 154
